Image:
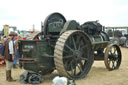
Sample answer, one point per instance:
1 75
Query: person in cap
9 54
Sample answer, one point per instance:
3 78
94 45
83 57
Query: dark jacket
6 52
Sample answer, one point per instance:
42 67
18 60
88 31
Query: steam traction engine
68 47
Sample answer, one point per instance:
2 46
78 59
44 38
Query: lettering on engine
28 46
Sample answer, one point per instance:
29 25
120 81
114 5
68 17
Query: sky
24 13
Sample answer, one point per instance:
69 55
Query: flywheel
73 54
112 58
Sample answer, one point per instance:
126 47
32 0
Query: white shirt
11 49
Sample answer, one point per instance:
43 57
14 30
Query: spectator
9 54
15 55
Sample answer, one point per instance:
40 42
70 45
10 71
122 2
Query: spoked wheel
112 57
73 54
126 43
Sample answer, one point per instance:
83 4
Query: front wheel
112 57
126 43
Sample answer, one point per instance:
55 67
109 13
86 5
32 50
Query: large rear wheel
73 54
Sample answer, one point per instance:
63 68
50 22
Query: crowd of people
11 54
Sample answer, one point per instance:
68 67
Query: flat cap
12 34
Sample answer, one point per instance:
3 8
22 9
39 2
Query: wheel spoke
116 62
116 54
75 70
78 41
69 48
83 58
80 45
74 43
70 63
111 51
67 63
65 51
72 69
81 65
80 68
109 62
82 48
113 65
115 50
69 56
82 42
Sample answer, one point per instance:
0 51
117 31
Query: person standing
9 54
16 54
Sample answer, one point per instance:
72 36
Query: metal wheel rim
112 57
83 64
